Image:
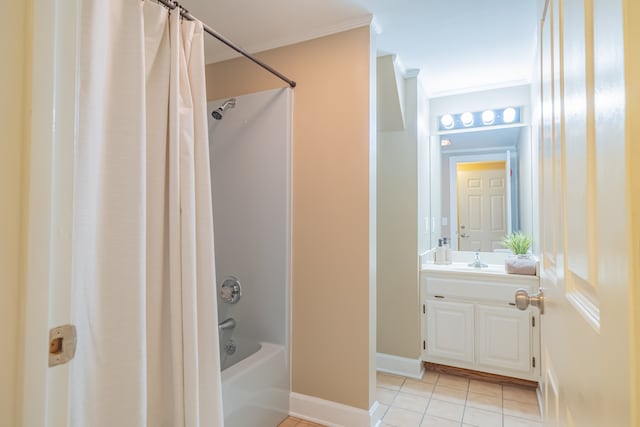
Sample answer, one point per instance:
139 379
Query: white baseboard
332 414
404 366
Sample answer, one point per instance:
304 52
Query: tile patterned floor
295 422
443 400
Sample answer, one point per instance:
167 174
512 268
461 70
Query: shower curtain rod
171 5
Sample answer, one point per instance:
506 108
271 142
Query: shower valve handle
230 291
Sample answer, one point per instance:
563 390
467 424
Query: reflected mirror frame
528 219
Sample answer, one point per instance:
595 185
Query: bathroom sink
488 269
460 268
465 268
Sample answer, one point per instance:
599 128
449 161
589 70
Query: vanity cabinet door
504 338
450 330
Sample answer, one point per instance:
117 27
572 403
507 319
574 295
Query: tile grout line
424 413
487 393
502 403
466 400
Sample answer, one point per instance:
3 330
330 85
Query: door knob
523 300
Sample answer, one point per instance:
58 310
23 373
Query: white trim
412 73
404 366
540 399
508 179
375 26
47 287
481 88
520 124
332 414
373 205
479 150
339 27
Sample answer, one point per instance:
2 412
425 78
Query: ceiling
458 45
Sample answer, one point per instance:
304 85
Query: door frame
49 190
631 13
504 156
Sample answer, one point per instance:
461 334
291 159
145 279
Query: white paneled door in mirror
482 205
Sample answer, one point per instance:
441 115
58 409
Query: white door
450 334
587 331
482 205
47 299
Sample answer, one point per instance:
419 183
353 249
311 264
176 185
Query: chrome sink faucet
477 263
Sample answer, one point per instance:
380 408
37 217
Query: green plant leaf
517 242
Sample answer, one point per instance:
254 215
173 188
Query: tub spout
229 323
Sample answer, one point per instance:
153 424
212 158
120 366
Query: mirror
481 187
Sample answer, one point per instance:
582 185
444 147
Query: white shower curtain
143 267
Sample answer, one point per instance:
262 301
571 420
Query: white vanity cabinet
504 337
450 330
469 321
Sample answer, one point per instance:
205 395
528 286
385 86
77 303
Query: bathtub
255 389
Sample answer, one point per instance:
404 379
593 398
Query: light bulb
509 115
467 119
447 121
488 117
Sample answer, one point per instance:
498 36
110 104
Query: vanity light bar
468 119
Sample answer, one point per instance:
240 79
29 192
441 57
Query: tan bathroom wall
398 302
330 248
15 50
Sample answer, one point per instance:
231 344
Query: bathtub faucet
229 323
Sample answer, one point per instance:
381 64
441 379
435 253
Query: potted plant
521 262
518 243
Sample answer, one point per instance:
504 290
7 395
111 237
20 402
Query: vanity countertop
461 270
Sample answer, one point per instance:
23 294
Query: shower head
219 112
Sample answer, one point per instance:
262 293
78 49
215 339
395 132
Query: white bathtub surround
332 414
398 365
250 163
143 295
